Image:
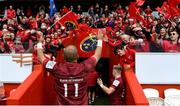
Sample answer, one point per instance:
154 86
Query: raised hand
105 38
100 35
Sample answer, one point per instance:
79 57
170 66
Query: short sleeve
115 84
89 63
49 65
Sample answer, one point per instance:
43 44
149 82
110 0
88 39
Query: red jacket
33 24
168 47
148 11
11 13
0 33
145 47
20 33
128 58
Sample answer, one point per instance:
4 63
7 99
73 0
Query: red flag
95 31
84 28
88 41
159 9
164 8
168 10
140 2
134 13
69 20
174 7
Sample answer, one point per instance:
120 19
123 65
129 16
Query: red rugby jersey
115 97
71 80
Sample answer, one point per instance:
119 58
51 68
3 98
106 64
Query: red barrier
134 92
49 92
31 91
38 89
9 87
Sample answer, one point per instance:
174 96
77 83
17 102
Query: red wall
31 91
49 90
134 92
8 87
38 89
161 87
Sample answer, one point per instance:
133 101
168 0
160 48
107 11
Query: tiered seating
172 97
153 97
150 92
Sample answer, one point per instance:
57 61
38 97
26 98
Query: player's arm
98 51
40 52
107 90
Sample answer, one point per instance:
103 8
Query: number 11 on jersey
66 90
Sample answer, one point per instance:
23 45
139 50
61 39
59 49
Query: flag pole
58 20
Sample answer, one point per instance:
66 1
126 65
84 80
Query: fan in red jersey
126 55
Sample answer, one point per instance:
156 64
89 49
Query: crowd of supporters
20 31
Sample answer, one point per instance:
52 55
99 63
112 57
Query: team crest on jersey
116 83
50 64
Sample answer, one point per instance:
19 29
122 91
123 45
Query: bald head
70 53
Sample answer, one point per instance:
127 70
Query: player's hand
99 81
105 38
100 35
